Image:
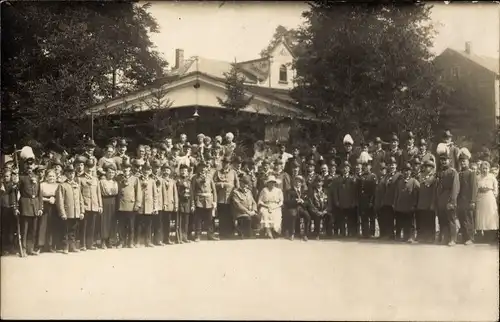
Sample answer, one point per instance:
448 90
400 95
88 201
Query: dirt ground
257 279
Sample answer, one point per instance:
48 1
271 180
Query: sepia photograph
250 160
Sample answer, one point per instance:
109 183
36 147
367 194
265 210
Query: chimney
179 58
468 46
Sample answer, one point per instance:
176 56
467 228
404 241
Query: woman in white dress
486 204
269 206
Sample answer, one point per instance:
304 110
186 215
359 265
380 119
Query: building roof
489 63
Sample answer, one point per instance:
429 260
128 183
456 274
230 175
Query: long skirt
47 226
486 211
271 219
108 217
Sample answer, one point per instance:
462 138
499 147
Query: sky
240 30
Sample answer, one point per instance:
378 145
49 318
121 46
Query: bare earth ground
257 279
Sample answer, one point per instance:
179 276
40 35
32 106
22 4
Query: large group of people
174 192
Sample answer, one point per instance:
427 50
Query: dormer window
283 74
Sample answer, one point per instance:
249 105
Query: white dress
271 213
486 203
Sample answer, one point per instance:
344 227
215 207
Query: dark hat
109 166
423 142
245 179
126 164
69 168
57 161
378 139
156 164
226 159
319 179
183 166
163 147
122 142
237 159
89 163
166 165
113 139
80 159
175 148
146 166
447 134
346 164
311 162
411 135
295 164
429 163
444 156
407 166
392 160
265 162
41 167
202 165
90 143
298 178
364 144
394 137
137 163
416 161
382 165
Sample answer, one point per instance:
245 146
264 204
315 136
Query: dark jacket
468 189
427 192
344 194
31 199
447 188
365 190
390 189
406 197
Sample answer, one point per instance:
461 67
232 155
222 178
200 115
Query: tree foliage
61 57
236 97
290 36
369 67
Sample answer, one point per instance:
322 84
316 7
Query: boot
65 250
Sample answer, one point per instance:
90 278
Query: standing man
394 152
453 150
423 153
425 218
466 197
230 145
386 216
282 155
203 201
184 192
121 155
410 151
344 200
71 208
405 203
151 203
366 197
129 203
92 201
448 187
225 181
349 154
378 156
169 205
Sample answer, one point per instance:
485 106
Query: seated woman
269 206
244 208
296 208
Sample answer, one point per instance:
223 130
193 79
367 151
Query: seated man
244 208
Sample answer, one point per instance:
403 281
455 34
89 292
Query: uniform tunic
427 192
129 193
91 192
448 188
149 197
184 192
366 190
170 195
225 181
378 157
69 200
204 192
408 153
30 201
406 197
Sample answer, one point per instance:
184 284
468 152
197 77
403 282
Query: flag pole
92 125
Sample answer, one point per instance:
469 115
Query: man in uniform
425 216
453 150
386 215
344 199
225 181
310 173
466 197
244 208
121 155
92 200
203 201
9 208
410 151
366 185
448 187
349 154
129 203
184 192
30 206
416 165
230 145
89 149
423 153
394 152
378 156
71 208
79 165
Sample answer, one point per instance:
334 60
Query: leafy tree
236 98
368 67
61 57
290 35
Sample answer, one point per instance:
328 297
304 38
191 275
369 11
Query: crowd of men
173 192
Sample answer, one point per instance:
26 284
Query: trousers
126 227
226 221
425 225
466 219
87 229
295 215
203 219
70 227
386 222
346 222
367 216
404 223
144 228
8 228
246 224
447 223
28 231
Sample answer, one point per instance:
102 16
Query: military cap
265 162
166 165
410 135
183 166
278 161
207 139
109 166
41 167
444 156
429 163
137 163
126 164
299 178
311 162
90 143
89 163
80 159
146 166
113 139
364 144
200 135
218 138
122 142
394 137
69 168
407 166
226 159
392 160
416 161
447 134
382 165
378 139
175 148
346 164
57 161
156 163
246 180
423 142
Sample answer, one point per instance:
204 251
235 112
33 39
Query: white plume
348 139
364 157
442 148
465 152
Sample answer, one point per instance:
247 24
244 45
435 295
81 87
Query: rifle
18 224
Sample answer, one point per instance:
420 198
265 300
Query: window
455 72
283 74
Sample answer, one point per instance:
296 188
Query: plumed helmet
348 139
364 157
464 154
442 148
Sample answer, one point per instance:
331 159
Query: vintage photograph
250 160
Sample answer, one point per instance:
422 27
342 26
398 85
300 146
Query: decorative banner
259 68
277 132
